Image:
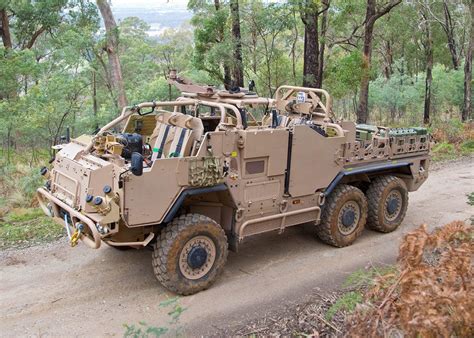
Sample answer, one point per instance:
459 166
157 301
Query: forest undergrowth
427 293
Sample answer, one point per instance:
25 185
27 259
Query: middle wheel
343 216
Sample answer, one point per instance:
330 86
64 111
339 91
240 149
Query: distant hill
158 15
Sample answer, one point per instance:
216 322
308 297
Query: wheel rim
197 257
393 205
348 217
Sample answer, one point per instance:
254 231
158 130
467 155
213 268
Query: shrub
431 292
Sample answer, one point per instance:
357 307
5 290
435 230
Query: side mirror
136 164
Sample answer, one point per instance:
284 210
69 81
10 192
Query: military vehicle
196 176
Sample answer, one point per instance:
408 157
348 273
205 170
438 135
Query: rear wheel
190 254
388 202
343 216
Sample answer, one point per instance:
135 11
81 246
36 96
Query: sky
165 4
158 14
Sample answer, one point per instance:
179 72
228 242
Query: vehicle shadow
255 254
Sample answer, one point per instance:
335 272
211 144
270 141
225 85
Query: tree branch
384 10
34 37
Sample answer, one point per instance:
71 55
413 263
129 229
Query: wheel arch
366 173
215 202
189 194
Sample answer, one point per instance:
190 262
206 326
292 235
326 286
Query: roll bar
127 111
291 89
222 107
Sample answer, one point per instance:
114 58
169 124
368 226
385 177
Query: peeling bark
115 68
467 104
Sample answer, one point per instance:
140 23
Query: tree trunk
371 16
309 17
322 45
293 48
9 141
449 30
362 108
238 72
5 29
112 52
225 66
254 51
467 105
227 76
429 70
388 60
94 99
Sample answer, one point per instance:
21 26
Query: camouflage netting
205 172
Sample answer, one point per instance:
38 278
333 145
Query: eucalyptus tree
314 39
467 103
112 48
374 11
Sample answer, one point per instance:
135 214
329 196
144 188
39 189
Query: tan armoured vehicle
196 176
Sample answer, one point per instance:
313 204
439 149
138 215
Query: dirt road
56 290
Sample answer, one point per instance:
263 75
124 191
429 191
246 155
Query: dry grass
429 295
453 132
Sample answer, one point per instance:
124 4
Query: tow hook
76 235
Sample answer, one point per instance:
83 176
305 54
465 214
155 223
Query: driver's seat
175 135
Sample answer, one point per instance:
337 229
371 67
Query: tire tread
165 241
374 194
323 230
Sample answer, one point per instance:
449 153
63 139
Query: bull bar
75 215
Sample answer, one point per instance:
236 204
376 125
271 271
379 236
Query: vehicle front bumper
91 238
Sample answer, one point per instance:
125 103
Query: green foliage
22 227
143 330
470 198
357 281
443 151
451 129
362 278
14 65
346 303
468 146
443 148
212 49
19 180
176 309
401 97
344 74
58 49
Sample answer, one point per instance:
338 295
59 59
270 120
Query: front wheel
343 216
189 254
388 202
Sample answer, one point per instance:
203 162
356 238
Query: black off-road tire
329 230
380 188
169 246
